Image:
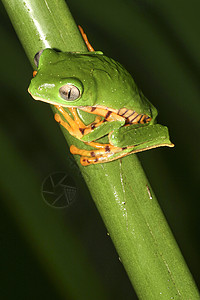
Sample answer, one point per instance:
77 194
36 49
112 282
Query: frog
99 85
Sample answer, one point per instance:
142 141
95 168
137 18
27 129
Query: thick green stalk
120 189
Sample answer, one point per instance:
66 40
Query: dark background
158 42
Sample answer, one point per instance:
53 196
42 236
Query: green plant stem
120 189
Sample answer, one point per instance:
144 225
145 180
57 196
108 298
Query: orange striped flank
109 115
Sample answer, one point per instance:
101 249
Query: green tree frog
98 85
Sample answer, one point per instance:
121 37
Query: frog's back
107 82
116 87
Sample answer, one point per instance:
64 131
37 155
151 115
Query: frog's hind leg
90 48
103 153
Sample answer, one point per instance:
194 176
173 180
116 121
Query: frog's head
60 79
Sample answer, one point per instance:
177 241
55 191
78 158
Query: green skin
101 82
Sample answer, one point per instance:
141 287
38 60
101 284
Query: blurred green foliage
158 42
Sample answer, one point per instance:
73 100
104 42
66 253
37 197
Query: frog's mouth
35 97
42 99
49 101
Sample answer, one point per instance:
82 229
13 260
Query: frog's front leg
88 133
74 125
93 131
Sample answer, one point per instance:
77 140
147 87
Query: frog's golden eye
69 92
37 57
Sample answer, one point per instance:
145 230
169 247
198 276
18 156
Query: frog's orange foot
103 153
90 48
34 73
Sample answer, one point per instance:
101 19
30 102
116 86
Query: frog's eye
37 57
69 92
